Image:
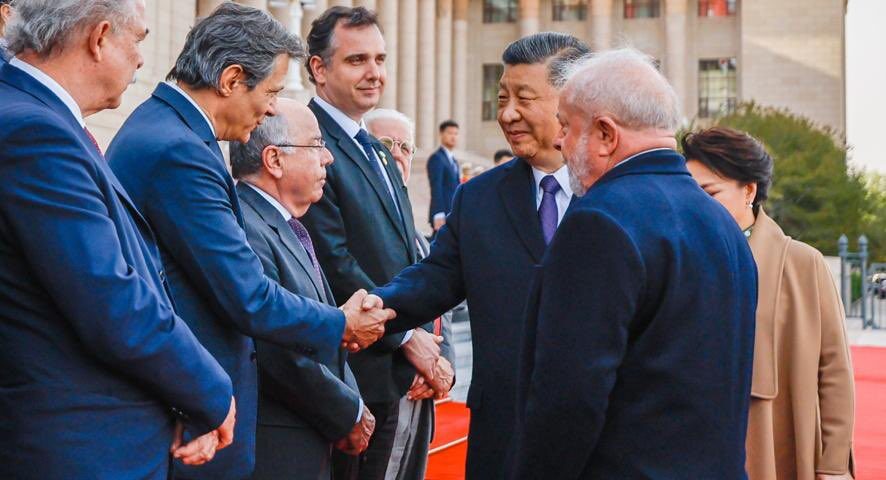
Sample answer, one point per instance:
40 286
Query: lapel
273 219
518 196
27 84
355 154
769 245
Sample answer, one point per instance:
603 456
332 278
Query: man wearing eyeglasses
306 405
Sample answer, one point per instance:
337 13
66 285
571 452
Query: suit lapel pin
382 156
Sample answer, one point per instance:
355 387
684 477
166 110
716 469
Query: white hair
45 26
389 114
623 83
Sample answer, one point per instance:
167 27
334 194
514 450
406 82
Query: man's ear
608 135
98 39
318 68
272 162
229 78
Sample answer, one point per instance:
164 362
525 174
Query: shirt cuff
440 216
360 412
407 337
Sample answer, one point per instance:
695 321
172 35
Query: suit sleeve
435 179
424 291
302 383
835 384
54 208
189 206
588 292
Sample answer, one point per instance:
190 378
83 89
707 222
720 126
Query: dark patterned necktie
547 211
97 148
305 239
365 141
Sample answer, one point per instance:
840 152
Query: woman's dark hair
732 154
320 37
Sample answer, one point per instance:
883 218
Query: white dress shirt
52 85
188 98
562 197
286 216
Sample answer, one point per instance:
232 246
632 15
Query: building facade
444 56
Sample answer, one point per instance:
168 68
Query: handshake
365 318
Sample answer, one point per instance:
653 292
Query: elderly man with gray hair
95 366
224 83
639 329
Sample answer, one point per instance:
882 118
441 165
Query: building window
716 8
642 8
717 90
499 11
566 10
491 76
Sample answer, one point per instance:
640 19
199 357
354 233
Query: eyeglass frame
290 145
398 143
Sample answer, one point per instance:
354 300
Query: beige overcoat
802 395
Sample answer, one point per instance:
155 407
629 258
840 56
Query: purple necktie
302 234
547 211
94 142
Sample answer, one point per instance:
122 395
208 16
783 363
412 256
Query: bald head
294 124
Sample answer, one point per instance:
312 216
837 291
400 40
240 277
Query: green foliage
814 196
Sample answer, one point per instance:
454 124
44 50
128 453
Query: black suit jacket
485 253
362 242
317 402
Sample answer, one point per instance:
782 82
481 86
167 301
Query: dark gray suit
304 405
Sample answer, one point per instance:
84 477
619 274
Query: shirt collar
273 201
448 152
640 153
345 122
562 176
188 98
52 85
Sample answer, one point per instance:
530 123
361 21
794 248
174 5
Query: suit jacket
639 334
802 394
167 158
485 253
443 175
310 402
362 242
93 360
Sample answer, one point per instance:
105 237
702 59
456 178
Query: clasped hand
365 318
435 374
203 448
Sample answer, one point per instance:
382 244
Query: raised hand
358 439
365 320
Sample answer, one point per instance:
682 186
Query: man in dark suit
305 404
95 367
494 235
443 175
640 327
363 228
167 157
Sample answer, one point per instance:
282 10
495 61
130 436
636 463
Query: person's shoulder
803 255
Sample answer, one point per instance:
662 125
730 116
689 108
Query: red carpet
447 462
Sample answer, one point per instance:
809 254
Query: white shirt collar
273 201
562 176
188 98
641 153
345 122
52 85
448 153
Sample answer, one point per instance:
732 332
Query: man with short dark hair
443 175
496 233
363 228
502 156
224 83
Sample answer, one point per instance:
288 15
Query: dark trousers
371 464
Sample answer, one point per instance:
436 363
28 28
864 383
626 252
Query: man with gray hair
95 366
639 329
224 83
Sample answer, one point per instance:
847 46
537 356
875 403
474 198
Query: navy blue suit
93 360
485 252
443 176
167 158
639 335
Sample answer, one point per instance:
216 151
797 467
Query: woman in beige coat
802 393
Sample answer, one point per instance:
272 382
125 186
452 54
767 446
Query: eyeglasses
390 143
320 144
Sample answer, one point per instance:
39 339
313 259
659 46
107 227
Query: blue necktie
547 211
365 141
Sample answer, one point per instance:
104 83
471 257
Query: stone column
367 4
205 7
459 63
387 15
426 73
310 14
528 14
675 49
343 3
259 4
407 66
444 59
600 24
289 13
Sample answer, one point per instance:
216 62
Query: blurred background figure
5 14
802 396
502 156
415 421
443 175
